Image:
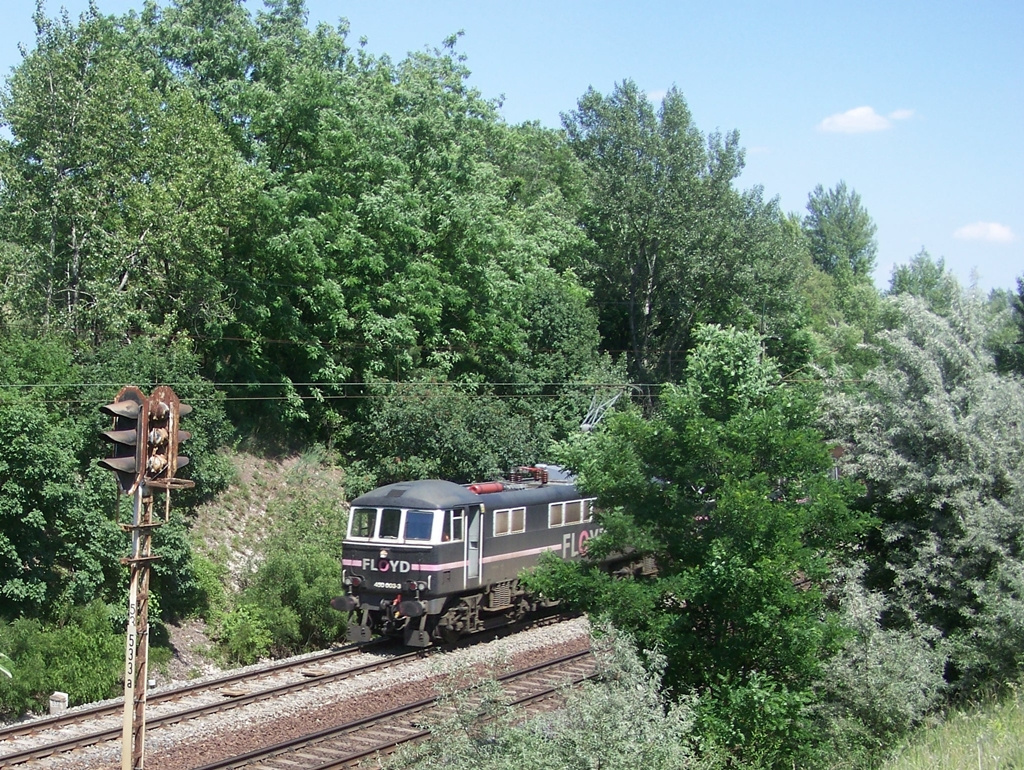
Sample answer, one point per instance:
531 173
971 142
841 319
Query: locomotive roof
430 494
515 495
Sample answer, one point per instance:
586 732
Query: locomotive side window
509 521
390 522
588 509
556 514
362 522
454 521
419 525
572 512
519 519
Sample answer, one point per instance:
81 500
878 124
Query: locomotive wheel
448 634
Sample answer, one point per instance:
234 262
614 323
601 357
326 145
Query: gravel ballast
194 743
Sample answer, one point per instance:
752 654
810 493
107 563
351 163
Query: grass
986 738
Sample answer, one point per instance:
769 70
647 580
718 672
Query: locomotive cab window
390 523
362 522
453 524
419 525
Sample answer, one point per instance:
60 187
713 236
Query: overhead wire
408 389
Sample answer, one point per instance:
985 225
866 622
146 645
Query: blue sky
918 106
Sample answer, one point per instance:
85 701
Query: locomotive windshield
419 525
393 524
390 523
362 522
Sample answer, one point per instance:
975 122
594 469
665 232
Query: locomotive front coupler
346 603
349 602
415 634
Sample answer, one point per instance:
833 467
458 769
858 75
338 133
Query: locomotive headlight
383 553
354 581
415 585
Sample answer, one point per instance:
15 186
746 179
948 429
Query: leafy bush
284 605
882 683
760 720
210 577
244 634
293 589
935 435
437 430
82 656
618 720
57 548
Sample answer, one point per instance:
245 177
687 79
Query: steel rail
230 702
290 746
115 706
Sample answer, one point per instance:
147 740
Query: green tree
674 244
927 278
438 430
728 488
841 234
937 437
119 187
302 214
844 311
400 225
57 546
60 543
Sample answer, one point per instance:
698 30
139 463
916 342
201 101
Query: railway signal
130 413
163 439
146 438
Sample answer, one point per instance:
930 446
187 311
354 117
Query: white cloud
861 120
985 231
856 121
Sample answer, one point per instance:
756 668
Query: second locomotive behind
432 560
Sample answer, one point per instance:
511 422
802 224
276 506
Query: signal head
130 418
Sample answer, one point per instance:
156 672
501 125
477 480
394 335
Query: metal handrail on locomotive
432 560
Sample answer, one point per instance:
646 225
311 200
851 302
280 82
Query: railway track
65 734
33 726
227 692
346 745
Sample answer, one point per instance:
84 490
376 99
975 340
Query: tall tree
728 489
927 278
119 187
674 244
841 234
